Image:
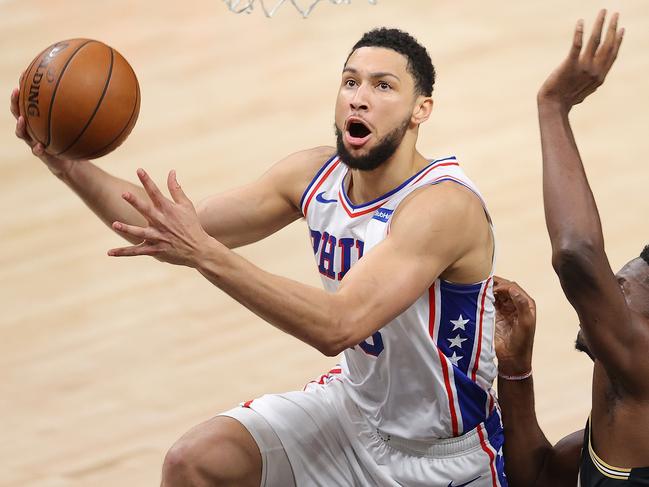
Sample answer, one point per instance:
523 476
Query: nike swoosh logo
320 197
451 484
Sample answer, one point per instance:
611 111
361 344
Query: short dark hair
644 255
419 64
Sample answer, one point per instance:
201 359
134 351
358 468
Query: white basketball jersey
428 373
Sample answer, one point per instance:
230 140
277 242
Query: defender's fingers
13 105
150 187
500 283
500 280
611 32
522 301
577 40
618 42
596 35
175 190
145 233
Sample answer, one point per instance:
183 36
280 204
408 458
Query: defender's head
385 94
633 279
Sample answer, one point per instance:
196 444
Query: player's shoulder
292 174
446 200
312 158
303 164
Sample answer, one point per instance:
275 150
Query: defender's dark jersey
594 472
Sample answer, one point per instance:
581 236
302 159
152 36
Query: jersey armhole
322 174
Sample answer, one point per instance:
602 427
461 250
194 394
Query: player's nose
360 100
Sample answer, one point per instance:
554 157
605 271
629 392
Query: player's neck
364 186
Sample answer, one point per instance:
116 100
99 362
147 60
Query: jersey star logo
455 358
459 323
457 341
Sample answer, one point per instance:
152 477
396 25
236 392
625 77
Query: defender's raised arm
572 218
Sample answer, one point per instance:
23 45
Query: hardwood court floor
105 362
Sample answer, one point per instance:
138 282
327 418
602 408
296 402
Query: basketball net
247 6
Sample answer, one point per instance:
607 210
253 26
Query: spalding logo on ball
80 99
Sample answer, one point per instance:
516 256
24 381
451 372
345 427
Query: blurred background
105 362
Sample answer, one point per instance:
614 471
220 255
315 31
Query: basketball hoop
247 6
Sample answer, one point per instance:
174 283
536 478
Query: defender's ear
422 110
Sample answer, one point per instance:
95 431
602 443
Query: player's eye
350 83
383 85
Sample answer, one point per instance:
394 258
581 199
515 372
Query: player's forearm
308 313
102 193
570 210
526 447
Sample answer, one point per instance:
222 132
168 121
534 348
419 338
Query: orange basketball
80 98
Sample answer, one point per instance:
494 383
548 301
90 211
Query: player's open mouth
357 133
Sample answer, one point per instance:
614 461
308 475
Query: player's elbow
574 261
339 337
330 350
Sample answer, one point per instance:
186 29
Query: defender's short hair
419 64
644 255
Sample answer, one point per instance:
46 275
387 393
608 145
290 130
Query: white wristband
516 377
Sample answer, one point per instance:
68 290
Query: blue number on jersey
374 348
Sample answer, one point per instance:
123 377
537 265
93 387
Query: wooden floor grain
105 362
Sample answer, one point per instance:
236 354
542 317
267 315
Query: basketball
80 99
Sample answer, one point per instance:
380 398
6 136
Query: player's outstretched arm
236 217
530 459
99 190
385 282
570 210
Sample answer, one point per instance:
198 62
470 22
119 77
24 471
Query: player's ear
422 110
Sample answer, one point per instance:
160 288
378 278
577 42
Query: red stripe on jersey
449 392
479 337
247 403
442 359
360 213
491 455
317 186
431 312
435 166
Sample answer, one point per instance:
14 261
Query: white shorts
318 437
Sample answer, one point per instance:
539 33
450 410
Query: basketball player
613 309
411 403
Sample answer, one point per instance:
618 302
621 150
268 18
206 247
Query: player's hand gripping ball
80 99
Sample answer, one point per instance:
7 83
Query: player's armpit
252 212
561 466
437 228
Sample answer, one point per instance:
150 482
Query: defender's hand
581 73
174 233
59 167
515 327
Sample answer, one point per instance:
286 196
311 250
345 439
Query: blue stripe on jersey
496 439
398 188
472 400
317 175
456 340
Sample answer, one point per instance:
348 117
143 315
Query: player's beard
381 152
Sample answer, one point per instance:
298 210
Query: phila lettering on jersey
428 373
